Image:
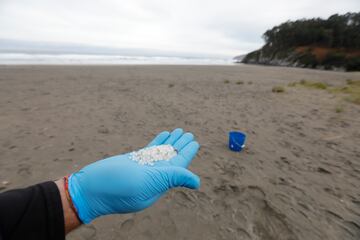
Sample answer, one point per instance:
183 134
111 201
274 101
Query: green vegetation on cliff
332 43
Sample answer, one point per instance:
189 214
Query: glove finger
179 177
183 141
186 155
159 139
174 136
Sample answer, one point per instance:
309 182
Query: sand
298 178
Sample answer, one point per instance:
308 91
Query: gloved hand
120 185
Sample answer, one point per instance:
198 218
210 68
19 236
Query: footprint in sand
242 234
24 170
346 229
269 224
127 225
183 199
239 217
262 221
85 232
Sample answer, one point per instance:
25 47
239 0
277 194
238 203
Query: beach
297 178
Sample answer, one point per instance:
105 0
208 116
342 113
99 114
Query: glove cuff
79 203
68 197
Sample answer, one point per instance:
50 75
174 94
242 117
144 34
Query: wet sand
298 178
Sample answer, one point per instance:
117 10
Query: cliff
307 57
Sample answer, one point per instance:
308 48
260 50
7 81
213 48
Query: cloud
227 27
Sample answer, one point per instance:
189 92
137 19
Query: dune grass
353 82
315 85
351 89
309 84
339 109
278 89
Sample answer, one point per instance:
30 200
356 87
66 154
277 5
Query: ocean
83 59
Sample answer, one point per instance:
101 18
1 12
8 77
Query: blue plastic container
236 141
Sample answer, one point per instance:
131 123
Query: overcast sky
226 27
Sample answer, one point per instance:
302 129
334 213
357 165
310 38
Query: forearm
32 213
71 221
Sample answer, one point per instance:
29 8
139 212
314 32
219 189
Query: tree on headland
338 31
332 42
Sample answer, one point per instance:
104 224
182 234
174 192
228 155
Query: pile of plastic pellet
149 155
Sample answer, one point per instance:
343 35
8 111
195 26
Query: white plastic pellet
149 155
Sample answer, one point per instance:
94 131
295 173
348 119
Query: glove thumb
180 177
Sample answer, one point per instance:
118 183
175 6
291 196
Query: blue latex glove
121 185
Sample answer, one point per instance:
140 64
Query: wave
83 59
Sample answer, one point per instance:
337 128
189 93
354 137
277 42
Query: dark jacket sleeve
32 213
